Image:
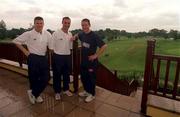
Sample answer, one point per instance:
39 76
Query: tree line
108 34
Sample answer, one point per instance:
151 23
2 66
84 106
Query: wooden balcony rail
152 78
9 51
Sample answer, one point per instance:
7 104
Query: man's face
38 25
85 26
66 24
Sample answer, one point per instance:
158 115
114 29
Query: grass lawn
6 40
128 55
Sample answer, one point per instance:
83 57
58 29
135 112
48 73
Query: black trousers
38 73
88 75
61 65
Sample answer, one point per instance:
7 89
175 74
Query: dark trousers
61 65
38 73
88 75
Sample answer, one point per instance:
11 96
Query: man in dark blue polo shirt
90 41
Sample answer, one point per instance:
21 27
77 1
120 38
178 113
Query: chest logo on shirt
86 45
60 38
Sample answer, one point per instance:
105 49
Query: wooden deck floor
14 102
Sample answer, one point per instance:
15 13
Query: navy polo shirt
89 43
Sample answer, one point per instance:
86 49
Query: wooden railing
9 51
105 78
109 80
152 75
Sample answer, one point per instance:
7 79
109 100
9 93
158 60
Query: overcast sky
129 15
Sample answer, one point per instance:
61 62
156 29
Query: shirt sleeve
80 36
54 37
99 41
50 41
22 39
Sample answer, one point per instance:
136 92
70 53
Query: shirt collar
38 32
63 32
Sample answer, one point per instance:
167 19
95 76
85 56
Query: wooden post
49 56
20 56
76 65
115 73
147 73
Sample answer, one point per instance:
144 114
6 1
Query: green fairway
125 55
129 55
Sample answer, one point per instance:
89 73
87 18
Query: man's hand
73 38
92 57
27 53
24 50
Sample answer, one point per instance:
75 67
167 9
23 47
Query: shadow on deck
14 102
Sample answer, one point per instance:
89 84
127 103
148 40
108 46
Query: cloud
20 18
73 13
120 3
135 23
32 2
130 15
27 13
166 21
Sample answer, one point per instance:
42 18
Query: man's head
85 23
66 22
38 23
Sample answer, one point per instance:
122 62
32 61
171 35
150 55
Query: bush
132 75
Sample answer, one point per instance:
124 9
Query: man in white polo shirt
37 41
61 62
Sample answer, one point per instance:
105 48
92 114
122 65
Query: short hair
38 18
86 20
65 18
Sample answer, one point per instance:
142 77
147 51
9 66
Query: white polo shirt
36 42
62 44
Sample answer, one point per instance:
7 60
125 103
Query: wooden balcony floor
14 102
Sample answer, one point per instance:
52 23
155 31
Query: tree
50 31
13 33
2 29
163 33
101 34
2 25
178 35
108 33
123 33
154 32
173 34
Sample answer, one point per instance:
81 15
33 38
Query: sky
129 15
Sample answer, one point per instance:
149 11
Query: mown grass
128 55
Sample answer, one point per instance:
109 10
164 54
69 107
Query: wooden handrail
9 51
166 57
151 80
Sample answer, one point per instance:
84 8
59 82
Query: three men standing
37 41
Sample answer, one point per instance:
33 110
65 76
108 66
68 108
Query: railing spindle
166 78
176 80
157 76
